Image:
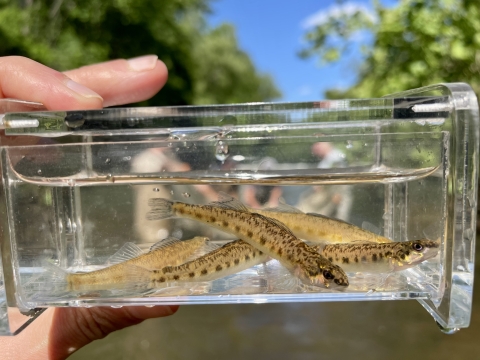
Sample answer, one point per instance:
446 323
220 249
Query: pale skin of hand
59 332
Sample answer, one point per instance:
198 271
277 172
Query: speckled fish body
269 236
379 258
316 227
229 259
174 253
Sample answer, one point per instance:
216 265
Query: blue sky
271 32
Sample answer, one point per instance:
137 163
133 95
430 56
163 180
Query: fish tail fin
55 278
160 209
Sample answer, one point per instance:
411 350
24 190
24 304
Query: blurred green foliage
205 65
415 43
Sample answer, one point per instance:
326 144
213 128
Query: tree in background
223 68
415 43
205 65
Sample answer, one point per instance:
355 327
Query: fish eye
328 275
417 246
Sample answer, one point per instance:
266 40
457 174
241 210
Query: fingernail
82 90
143 63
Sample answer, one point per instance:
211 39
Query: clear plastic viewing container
76 187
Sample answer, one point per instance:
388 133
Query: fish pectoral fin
127 252
136 278
395 265
228 202
381 284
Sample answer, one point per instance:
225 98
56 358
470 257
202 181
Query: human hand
58 332
90 87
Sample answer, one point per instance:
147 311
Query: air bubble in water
221 151
107 161
39 172
187 195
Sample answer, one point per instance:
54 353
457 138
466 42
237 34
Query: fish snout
341 282
335 278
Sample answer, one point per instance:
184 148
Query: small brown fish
166 252
373 257
315 227
267 235
229 259
239 255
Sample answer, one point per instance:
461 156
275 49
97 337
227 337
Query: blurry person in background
329 200
330 156
258 196
163 161
154 161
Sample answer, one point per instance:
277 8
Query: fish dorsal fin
127 252
329 218
168 241
284 208
277 223
228 202
370 227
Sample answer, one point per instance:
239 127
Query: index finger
25 79
123 81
